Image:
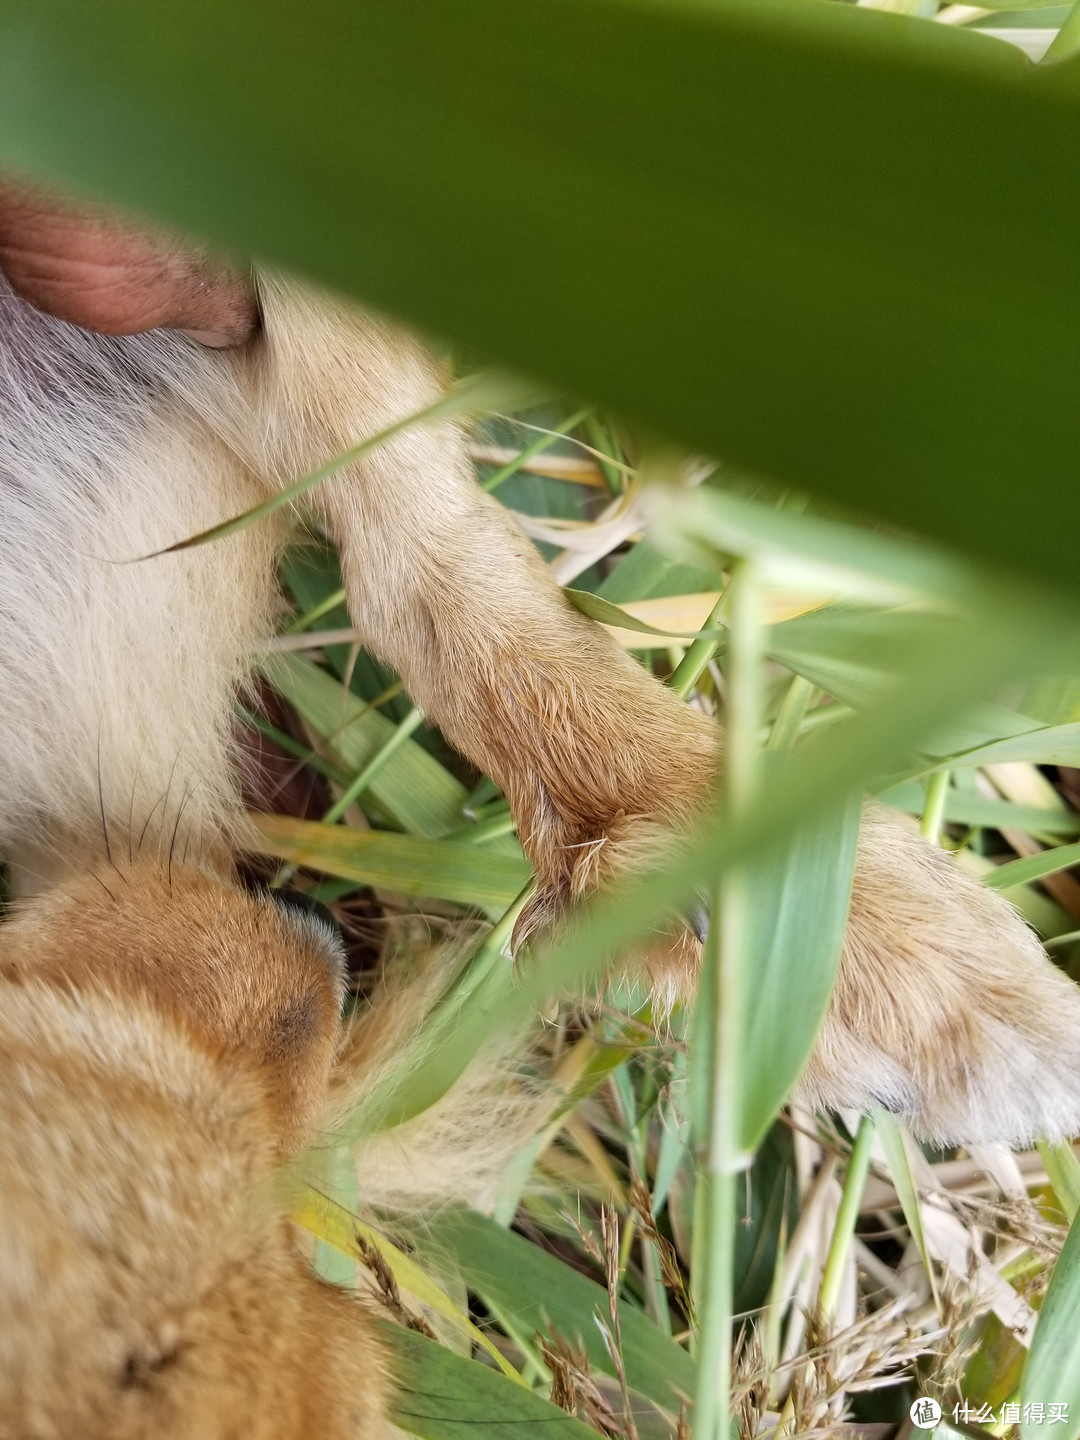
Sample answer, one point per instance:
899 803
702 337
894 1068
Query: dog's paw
666 960
946 1010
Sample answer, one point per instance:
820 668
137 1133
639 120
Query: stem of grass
937 791
717 1023
411 722
844 1229
691 667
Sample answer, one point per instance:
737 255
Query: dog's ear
116 277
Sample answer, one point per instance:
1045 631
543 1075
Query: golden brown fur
164 1046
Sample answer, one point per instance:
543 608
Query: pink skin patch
115 277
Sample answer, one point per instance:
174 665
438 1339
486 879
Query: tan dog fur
151 1010
152 1087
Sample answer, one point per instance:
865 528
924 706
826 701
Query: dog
168 1041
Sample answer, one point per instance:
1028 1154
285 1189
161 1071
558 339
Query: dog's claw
697 920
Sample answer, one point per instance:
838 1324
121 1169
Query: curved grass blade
603 611
606 614
1033 867
477 392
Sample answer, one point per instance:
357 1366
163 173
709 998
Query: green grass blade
800 893
1033 867
544 442
803 551
895 1142
962 808
478 392
1052 1371
466 874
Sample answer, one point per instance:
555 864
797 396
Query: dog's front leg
597 760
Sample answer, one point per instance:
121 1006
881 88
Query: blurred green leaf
800 551
1049 745
794 173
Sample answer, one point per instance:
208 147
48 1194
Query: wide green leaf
827 276
536 1292
442 1396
